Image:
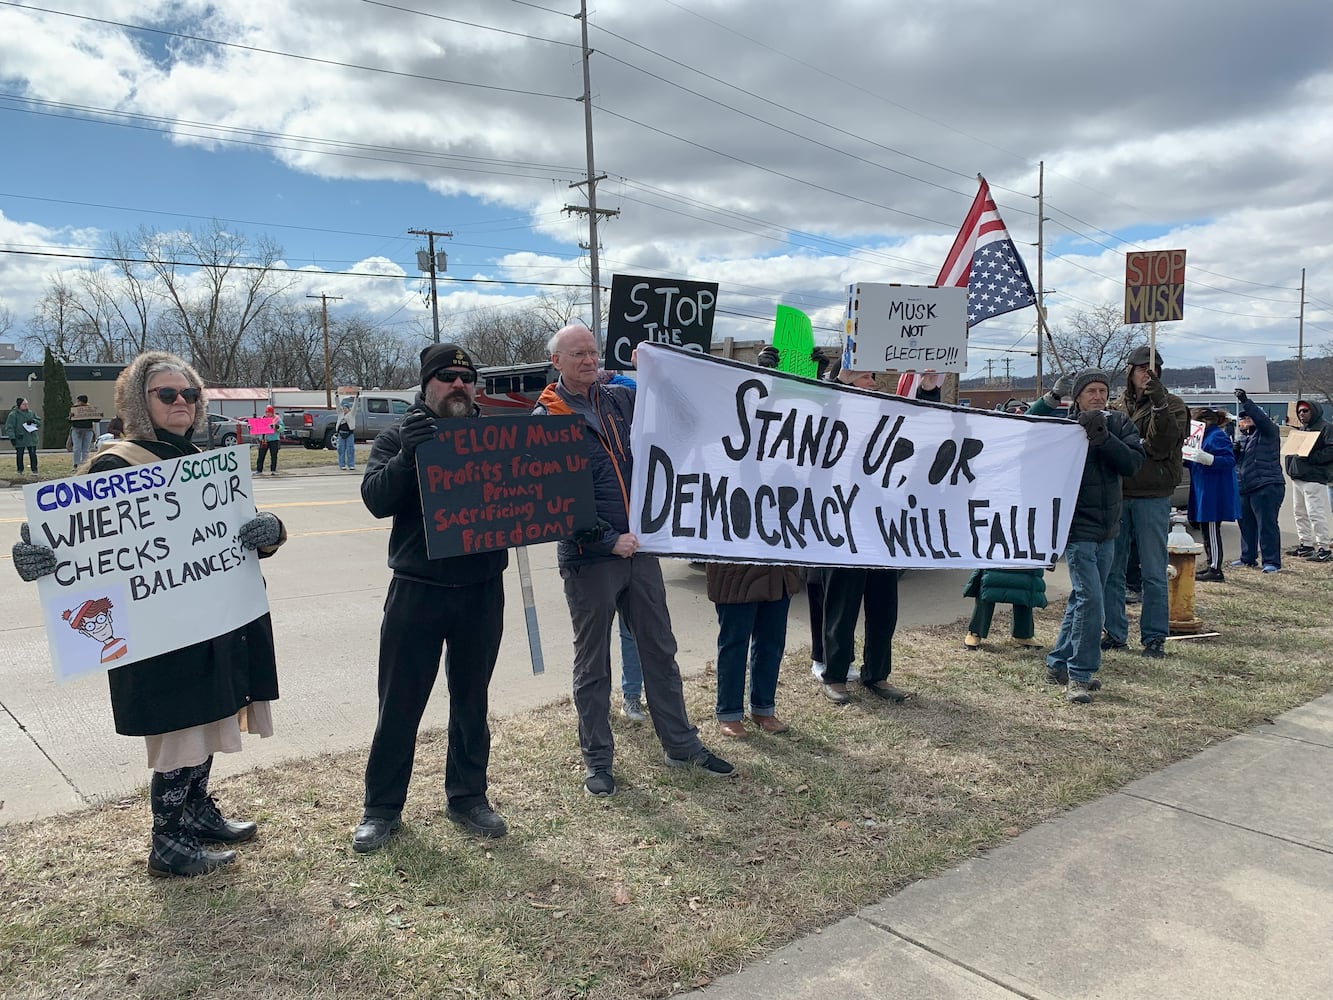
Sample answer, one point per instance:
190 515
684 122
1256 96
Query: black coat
197 684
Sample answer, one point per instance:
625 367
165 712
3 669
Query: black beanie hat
437 357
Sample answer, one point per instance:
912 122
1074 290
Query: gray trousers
594 592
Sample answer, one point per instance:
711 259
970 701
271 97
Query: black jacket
197 684
607 410
1316 466
390 489
1257 460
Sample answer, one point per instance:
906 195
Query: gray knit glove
261 532
32 561
1064 385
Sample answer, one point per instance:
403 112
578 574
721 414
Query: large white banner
741 464
149 559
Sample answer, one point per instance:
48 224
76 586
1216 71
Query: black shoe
702 760
203 818
1323 555
1211 574
1154 650
1109 644
1061 677
180 854
887 692
837 693
600 785
373 833
481 819
1301 551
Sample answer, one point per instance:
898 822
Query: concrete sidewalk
1212 878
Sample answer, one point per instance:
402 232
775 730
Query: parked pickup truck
373 410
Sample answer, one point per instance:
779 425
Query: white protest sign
739 464
148 559
1249 372
892 327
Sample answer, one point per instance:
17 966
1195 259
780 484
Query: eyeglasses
168 394
580 355
449 378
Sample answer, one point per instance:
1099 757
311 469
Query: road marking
340 531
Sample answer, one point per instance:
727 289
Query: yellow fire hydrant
1181 552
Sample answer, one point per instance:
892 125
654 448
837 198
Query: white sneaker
817 672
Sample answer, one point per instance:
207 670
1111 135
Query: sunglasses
448 378
168 395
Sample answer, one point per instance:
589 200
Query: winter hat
438 357
1086 377
268 411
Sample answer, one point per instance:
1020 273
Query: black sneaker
1210 574
1323 555
481 820
1154 650
180 854
705 761
1109 644
1301 551
600 785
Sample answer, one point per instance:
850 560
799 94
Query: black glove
32 561
261 531
1064 385
768 357
1240 394
1094 423
590 536
417 428
1156 392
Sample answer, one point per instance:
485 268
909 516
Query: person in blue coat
1262 486
1213 492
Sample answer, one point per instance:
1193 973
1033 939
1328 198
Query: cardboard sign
762 467
1249 372
659 311
892 327
1154 286
148 559
499 482
1300 443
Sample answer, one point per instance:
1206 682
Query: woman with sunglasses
196 701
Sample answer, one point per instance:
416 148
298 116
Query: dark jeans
756 632
272 448
814 592
1258 523
419 619
32 457
845 590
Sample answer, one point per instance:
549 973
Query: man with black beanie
458 601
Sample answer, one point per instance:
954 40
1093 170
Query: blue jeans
1258 525
758 632
82 439
1078 647
631 668
347 451
1144 521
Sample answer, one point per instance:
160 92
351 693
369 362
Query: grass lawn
678 879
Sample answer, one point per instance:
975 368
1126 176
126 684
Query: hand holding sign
32 561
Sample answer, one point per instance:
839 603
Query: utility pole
1041 253
328 368
591 209
1008 374
1300 343
432 267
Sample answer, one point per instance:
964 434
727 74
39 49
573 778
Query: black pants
419 619
272 448
845 590
32 457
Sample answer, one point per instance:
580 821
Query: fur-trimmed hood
132 394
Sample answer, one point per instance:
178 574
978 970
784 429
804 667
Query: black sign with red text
499 482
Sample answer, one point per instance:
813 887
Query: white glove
1195 454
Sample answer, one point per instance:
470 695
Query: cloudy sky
780 148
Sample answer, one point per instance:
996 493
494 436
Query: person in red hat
269 444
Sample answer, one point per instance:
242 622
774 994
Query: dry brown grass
676 880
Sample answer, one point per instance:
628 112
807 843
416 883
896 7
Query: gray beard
456 406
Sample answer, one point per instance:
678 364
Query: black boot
202 816
176 849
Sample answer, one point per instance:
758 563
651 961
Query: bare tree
372 357
60 324
504 337
217 285
1099 338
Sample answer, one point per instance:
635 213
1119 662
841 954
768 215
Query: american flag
984 261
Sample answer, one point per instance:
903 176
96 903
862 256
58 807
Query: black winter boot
202 816
176 849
